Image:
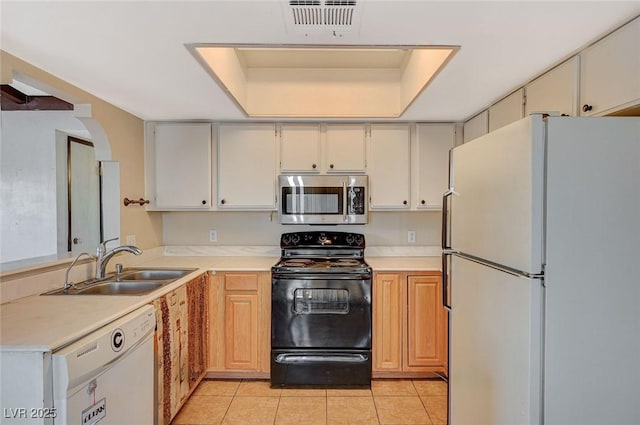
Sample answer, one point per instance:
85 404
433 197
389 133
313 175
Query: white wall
262 228
28 181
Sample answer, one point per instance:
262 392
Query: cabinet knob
404 202
586 108
423 202
223 201
331 166
313 166
204 202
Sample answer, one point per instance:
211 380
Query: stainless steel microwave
333 199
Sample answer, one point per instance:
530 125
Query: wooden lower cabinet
181 345
240 324
409 324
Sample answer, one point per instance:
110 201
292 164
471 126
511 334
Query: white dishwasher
108 376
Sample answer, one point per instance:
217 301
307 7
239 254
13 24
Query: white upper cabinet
610 72
555 92
247 164
300 148
345 148
389 167
433 142
476 126
506 110
322 149
178 165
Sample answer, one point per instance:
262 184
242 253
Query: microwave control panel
356 200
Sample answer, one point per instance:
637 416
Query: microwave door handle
344 201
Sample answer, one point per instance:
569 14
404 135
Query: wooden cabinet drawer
241 282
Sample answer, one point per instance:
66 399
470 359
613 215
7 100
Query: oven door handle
321 358
328 276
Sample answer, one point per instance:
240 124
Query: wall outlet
411 236
131 239
213 236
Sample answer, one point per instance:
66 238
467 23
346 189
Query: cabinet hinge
524 99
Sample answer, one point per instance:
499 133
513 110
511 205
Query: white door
506 111
247 158
389 182
495 346
496 207
345 148
433 144
182 161
300 148
554 92
84 198
609 72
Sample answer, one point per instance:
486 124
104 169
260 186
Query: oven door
321 311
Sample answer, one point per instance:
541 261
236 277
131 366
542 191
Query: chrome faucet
104 256
68 285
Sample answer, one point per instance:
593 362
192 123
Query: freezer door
496 208
495 346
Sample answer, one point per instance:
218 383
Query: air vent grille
323 14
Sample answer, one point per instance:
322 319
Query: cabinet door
426 329
554 92
389 173
246 166
433 144
300 148
609 72
506 111
197 300
180 155
476 126
241 331
345 148
387 322
172 342
178 316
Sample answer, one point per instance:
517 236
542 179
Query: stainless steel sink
154 274
123 287
134 281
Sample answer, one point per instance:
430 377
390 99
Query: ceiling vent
316 16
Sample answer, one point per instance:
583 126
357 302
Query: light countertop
381 264
47 323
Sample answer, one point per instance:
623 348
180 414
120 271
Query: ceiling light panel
319 82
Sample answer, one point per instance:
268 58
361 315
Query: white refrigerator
541 265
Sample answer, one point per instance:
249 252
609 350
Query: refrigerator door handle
500 267
445 219
446 281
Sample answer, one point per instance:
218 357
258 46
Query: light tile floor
389 402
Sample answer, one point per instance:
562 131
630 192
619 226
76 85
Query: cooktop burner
322 252
321 263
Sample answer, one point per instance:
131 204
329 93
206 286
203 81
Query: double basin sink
133 281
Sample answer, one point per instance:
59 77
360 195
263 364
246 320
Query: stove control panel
311 239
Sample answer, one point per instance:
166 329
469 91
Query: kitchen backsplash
262 228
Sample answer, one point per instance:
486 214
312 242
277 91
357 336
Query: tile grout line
233 396
424 406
